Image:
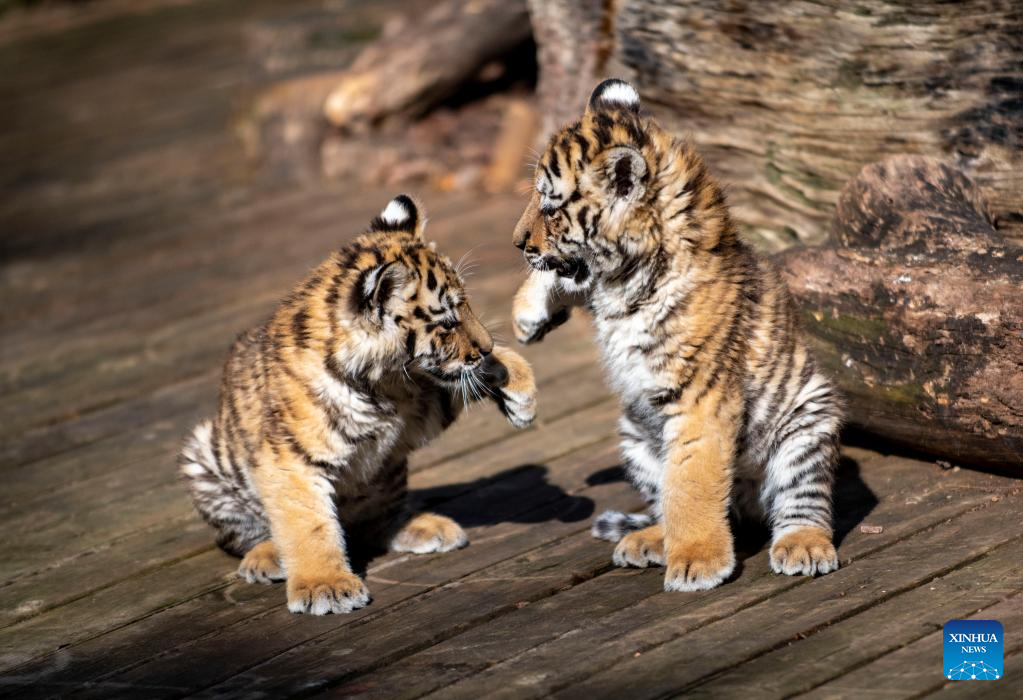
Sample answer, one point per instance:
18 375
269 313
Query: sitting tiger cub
699 337
375 353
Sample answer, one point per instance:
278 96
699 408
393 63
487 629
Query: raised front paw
698 565
516 393
642 548
261 564
319 594
427 533
531 327
806 550
533 312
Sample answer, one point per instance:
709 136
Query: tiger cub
723 406
374 354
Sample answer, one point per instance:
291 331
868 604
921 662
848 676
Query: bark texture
788 99
916 308
426 61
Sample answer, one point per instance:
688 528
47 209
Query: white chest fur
364 431
624 343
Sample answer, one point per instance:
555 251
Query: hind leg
642 548
428 532
222 495
643 470
262 564
805 550
613 525
797 495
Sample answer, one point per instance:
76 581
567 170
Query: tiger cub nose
494 373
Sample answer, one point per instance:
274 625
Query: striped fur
723 406
374 354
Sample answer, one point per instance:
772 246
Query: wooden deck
138 244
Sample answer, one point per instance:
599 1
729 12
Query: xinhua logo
973 650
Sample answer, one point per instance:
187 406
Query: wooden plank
512 505
134 417
130 460
478 648
236 644
481 647
83 571
727 643
106 514
435 616
896 622
915 668
433 619
110 608
596 643
120 516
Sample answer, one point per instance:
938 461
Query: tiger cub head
407 303
588 214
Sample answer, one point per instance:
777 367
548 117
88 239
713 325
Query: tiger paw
427 532
699 565
804 551
533 315
319 594
532 328
261 564
641 548
516 393
613 525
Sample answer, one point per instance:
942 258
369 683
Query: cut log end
915 310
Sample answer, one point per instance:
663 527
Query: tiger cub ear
400 215
625 172
376 289
613 94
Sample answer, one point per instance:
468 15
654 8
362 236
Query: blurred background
170 168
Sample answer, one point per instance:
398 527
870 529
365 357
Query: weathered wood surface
788 100
115 323
426 60
915 309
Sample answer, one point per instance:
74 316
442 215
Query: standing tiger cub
722 403
374 354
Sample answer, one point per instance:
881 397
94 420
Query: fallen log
427 61
916 308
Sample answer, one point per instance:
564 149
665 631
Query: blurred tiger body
374 354
722 403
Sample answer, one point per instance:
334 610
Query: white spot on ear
395 213
622 93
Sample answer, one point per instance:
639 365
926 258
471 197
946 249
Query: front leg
540 305
698 548
299 502
509 379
